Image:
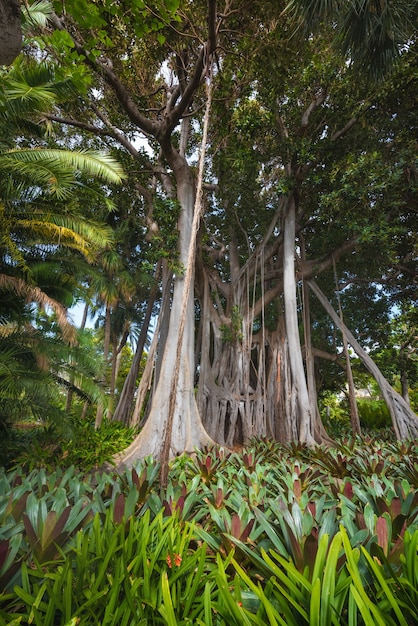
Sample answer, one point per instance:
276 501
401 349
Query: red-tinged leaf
119 509
395 508
4 551
246 532
399 525
7 577
382 533
61 522
311 506
361 523
381 505
168 507
348 490
180 504
17 481
248 460
379 467
143 491
297 489
30 532
135 478
48 529
396 551
309 551
19 506
219 498
297 551
236 526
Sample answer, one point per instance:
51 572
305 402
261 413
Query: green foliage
271 535
373 413
232 332
74 442
164 241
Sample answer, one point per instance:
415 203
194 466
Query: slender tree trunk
84 318
106 346
404 378
319 432
306 419
124 407
405 387
112 383
404 420
70 392
354 416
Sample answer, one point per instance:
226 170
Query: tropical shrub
74 441
269 535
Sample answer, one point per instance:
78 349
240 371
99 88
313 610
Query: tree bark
306 418
10 31
187 428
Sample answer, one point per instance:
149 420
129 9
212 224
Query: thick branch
344 129
96 130
113 81
313 105
198 74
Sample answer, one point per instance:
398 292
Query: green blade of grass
377 572
166 609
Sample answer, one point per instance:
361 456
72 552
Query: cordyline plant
269 535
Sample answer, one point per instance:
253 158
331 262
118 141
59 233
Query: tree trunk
187 429
306 418
106 347
354 416
405 387
124 407
70 392
10 31
404 376
112 383
404 420
319 432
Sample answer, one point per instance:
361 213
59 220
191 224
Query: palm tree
40 194
371 33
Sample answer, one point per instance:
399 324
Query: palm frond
30 87
37 14
309 14
32 293
21 95
56 169
70 232
370 33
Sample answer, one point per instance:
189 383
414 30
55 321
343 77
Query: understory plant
269 535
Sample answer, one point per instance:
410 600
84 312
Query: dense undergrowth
268 535
74 441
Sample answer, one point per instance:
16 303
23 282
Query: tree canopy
307 175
